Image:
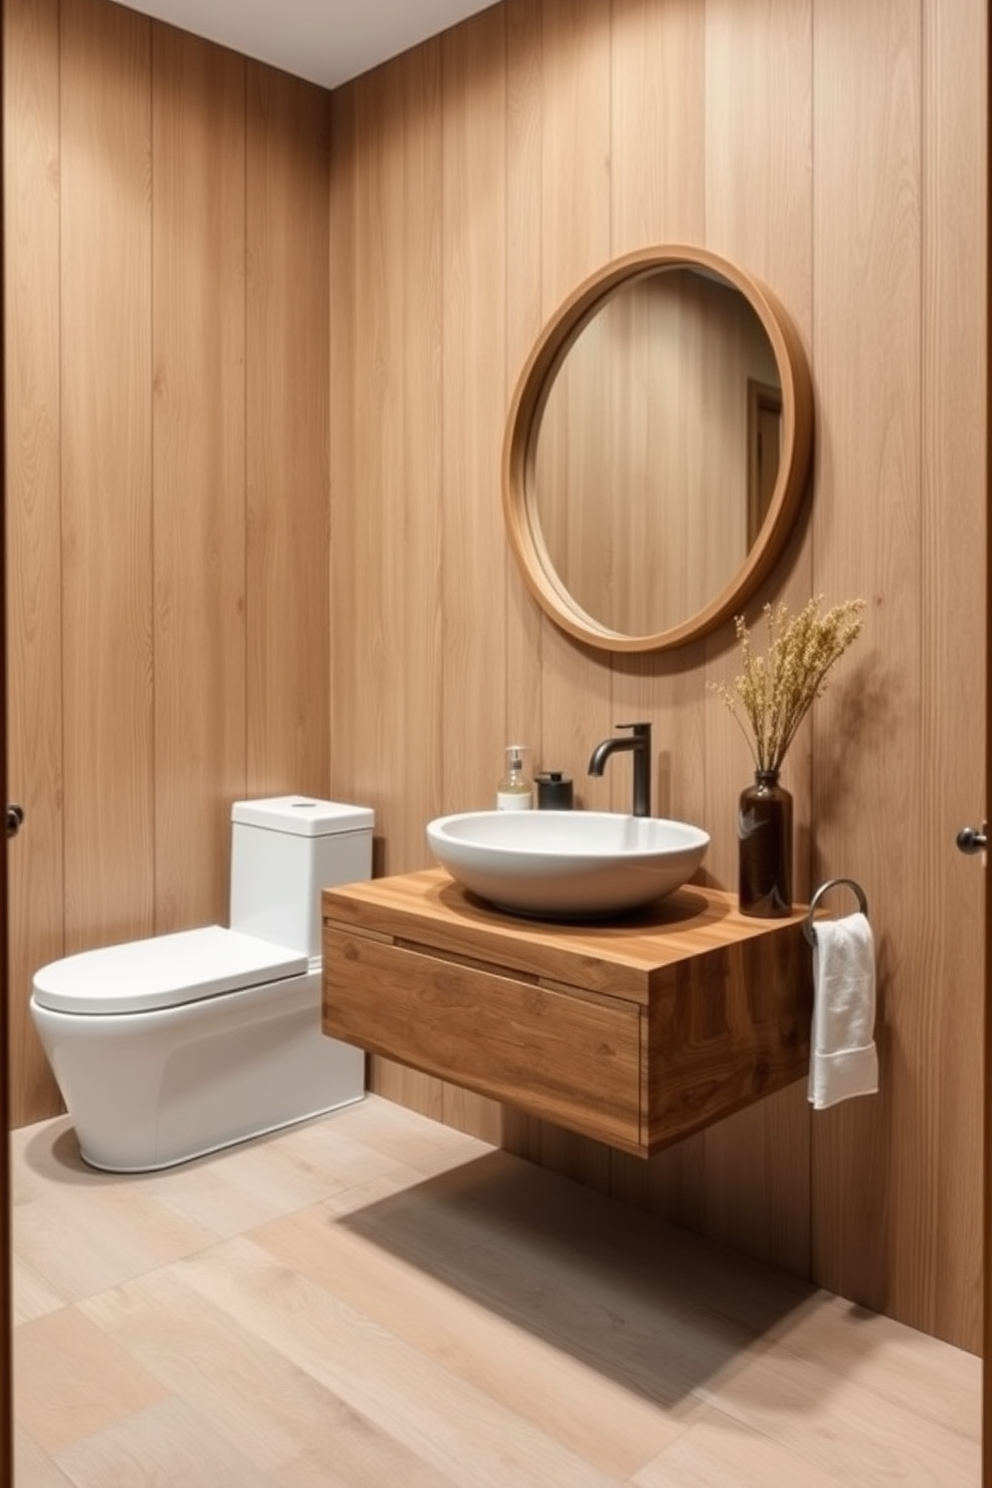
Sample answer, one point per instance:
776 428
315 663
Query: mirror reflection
656 451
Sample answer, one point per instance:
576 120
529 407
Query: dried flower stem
775 692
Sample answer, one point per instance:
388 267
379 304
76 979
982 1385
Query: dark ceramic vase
764 834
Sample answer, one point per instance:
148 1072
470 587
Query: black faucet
638 741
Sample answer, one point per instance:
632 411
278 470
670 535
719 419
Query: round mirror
657 449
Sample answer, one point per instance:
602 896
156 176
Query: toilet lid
166 971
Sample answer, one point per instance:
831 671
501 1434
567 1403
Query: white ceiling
325 41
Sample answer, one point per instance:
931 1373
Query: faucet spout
638 743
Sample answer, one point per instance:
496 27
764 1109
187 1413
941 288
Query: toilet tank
284 850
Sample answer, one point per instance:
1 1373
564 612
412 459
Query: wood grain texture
955 434
855 186
127 151
371 1298
6 1267
106 367
198 471
901 249
636 1033
286 434
576 1061
811 141
386 513
32 520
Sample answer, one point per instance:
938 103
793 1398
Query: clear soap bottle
514 792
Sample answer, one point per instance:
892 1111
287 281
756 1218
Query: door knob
15 819
971 839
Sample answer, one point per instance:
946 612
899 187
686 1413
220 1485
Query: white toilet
168 1048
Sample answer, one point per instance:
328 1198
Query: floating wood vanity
636 1033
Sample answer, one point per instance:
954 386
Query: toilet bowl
168 1048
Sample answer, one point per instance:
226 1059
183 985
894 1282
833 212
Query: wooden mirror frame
523 423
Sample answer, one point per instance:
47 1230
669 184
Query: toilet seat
164 972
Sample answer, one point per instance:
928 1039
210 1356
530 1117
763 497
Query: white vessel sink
566 864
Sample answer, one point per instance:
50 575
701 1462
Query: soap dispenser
514 792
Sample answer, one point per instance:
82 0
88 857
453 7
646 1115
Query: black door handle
971 839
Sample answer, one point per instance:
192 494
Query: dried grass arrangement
774 692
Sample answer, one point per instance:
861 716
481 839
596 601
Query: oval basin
567 864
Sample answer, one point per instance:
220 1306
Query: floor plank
373 1299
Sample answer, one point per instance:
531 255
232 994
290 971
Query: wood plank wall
173 620
838 151
166 221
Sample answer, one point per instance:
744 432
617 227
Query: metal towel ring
808 929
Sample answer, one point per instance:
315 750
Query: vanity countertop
626 956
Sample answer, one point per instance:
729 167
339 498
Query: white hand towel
843 1058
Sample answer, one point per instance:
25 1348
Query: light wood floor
373 1299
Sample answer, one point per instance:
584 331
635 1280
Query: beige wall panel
344 509
955 516
473 586
287 436
106 472
575 239
905 1167
387 549
658 179
878 224
878 1234
348 762
826 208
759 211
473 701
658 161
199 471
524 318
32 525
387 569
109 559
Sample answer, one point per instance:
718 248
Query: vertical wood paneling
473 252
658 185
759 211
574 141
106 472
798 137
387 506
576 80
524 249
918 254
33 540
955 445
658 159
287 434
127 519
524 318
199 470
835 149
873 1218
473 243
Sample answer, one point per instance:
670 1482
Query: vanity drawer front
571 1060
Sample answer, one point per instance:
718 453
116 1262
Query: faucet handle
640 729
